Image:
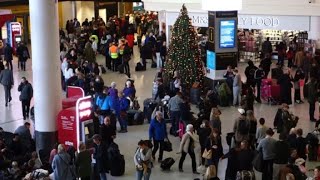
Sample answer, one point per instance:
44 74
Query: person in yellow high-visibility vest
114 54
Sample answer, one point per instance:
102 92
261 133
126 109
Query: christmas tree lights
184 53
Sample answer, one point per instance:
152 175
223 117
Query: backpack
243 127
25 54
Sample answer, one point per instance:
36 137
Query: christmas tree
184 53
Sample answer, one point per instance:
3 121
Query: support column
46 70
314 33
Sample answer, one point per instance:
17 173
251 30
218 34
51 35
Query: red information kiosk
75 124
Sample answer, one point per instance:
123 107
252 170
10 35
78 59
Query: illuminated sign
83 113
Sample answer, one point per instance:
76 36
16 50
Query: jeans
163 58
7 93
10 64
103 176
159 60
123 121
23 65
297 95
25 108
236 95
146 176
312 108
156 144
258 89
193 159
175 118
126 67
267 170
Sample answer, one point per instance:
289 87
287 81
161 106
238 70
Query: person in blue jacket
103 104
158 133
129 90
124 104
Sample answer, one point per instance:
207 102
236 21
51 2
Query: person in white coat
187 146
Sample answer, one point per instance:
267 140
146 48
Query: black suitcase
121 68
139 118
118 166
153 65
130 117
167 163
139 67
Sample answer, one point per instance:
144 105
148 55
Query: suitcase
118 166
121 68
139 67
139 118
275 91
266 92
153 65
266 82
245 175
167 146
167 163
130 117
182 129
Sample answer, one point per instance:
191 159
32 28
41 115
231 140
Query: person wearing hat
241 127
187 146
267 146
100 156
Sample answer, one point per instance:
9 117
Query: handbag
167 146
207 154
258 161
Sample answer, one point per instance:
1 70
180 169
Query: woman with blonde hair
61 164
215 121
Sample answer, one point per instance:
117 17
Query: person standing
142 160
61 164
83 162
175 113
214 144
266 47
266 65
258 76
8 51
241 127
157 133
126 57
187 146
100 156
312 98
26 94
261 131
107 132
236 88
285 87
282 155
250 72
113 52
124 104
6 79
23 56
267 146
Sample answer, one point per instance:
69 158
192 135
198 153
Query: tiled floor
11 118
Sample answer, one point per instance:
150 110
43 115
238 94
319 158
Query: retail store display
184 53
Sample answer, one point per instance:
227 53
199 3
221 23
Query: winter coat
129 91
89 54
83 163
61 166
101 158
8 51
238 136
157 130
26 91
6 77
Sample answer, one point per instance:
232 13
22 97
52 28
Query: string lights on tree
184 53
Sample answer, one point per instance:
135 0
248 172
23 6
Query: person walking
267 146
126 57
258 76
142 160
8 51
83 162
282 155
6 79
114 54
241 127
214 144
23 56
26 94
157 133
187 147
61 164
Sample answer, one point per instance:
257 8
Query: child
14 171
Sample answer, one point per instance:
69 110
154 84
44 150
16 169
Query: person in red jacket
130 40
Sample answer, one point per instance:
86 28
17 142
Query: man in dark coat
8 51
249 72
6 79
285 88
25 97
101 156
107 132
23 56
312 97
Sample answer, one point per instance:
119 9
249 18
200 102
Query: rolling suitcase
139 118
275 91
118 166
167 163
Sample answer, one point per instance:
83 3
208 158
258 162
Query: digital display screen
211 60
227 33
